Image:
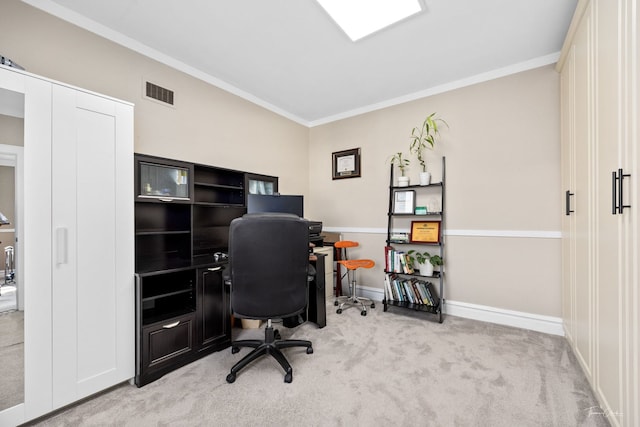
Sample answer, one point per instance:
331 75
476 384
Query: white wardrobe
76 236
600 91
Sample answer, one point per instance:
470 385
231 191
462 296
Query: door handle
171 325
614 202
567 196
61 245
617 191
621 178
214 269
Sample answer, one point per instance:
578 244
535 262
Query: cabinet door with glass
162 180
261 184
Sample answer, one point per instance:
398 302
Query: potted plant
420 137
401 163
425 261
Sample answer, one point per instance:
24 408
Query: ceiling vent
159 93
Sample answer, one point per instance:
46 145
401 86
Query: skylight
359 18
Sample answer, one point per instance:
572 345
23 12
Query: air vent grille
159 93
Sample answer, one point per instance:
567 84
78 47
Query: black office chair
268 273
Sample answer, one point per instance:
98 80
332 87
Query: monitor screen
257 203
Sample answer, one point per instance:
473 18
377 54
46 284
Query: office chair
269 274
352 265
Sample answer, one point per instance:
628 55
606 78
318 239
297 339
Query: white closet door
582 239
608 292
93 292
567 98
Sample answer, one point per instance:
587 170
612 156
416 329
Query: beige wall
502 152
503 165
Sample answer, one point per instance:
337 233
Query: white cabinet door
92 220
35 94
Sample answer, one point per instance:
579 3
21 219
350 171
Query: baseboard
534 322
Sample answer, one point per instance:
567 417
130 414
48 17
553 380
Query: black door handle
618 178
567 200
614 206
621 178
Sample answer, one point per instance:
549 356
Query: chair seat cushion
352 264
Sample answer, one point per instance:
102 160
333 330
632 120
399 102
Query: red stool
352 266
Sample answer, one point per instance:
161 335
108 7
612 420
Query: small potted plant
420 137
425 261
401 163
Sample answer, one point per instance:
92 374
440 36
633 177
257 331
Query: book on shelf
387 288
432 292
423 291
410 289
399 237
397 261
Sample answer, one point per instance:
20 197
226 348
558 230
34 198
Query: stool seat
352 264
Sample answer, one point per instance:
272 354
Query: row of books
397 261
412 290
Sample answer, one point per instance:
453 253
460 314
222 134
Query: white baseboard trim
519 319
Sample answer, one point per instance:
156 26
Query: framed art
425 232
346 164
404 202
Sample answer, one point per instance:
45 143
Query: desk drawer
166 341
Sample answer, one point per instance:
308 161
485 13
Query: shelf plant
402 163
423 137
425 261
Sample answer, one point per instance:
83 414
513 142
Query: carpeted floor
393 368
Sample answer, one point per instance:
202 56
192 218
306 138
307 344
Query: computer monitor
292 204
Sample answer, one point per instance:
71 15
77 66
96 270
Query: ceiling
290 57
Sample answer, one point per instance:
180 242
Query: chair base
269 346
353 300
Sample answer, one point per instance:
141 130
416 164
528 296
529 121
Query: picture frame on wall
425 232
404 201
346 163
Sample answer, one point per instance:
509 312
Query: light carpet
394 368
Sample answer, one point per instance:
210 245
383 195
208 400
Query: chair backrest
342 246
268 265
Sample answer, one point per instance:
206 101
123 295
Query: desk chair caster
362 313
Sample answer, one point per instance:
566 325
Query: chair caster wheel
363 313
309 350
234 350
335 303
276 334
231 378
288 377
373 305
339 311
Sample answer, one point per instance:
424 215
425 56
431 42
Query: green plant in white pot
424 261
423 137
402 163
